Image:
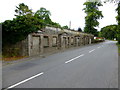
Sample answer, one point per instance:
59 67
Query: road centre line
74 58
99 47
91 50
30 78
21 82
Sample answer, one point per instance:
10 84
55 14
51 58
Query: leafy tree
18 28
26 22
65 27
79 29
117 17
99 34
109 32
44 16
57 25
42 13
22 10
93 14
118 20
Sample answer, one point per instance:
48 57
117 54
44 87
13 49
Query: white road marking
24 81
102 45
74 58
91 50
99 47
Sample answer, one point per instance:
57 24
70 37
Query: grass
118 48
97 40
13 58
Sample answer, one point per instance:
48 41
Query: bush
118 38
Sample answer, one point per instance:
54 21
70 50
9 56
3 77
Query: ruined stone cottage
51 39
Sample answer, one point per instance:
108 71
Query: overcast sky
62 11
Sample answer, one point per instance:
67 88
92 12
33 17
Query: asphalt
94 66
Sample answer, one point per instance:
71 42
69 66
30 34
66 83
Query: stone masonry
51 39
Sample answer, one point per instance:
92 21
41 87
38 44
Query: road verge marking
24 81
91 50
74 58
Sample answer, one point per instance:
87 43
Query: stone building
52 39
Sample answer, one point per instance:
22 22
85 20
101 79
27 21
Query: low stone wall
18 49
51 39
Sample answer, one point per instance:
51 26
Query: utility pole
70 25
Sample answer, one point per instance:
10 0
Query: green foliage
118 19
43 16
118 11
109 32
11 52
93 14
118 38
118 48
57 25
18 28
98 41
79 29
65 27
26 22
100 34
22 10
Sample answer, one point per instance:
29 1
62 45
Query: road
92 66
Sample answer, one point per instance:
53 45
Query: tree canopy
118 20
117 17
65 27
109 32
22 10
79 29
26 22
93 14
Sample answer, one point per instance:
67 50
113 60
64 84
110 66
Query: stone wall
18 49
51 39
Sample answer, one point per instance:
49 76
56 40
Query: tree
117 17
22 10
118 20
65 27
24 23
79 29
109 32
113 1
57 25
43 15
18 28
93 14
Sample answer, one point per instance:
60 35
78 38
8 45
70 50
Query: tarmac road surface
93 66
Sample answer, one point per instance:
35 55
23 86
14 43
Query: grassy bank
118 48
98 41
13 58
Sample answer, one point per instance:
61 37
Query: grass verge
118 49
13 58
